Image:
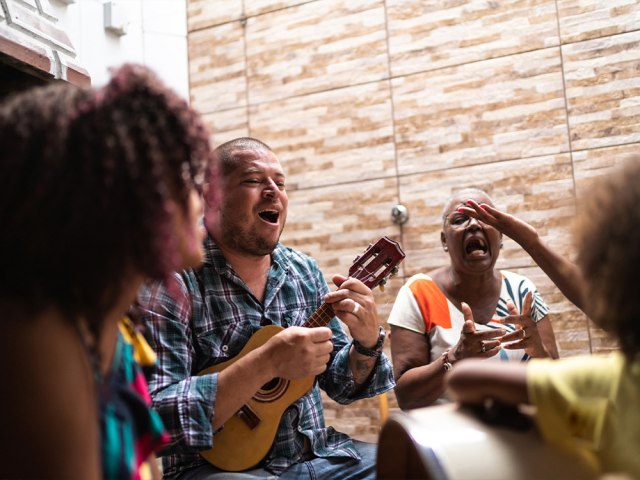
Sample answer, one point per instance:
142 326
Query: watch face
381 337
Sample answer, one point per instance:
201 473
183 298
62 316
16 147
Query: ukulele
248 435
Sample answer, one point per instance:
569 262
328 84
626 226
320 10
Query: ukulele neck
321 317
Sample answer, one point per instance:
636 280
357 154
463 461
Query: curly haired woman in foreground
100 191
588 403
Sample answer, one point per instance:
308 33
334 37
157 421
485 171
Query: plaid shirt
205 317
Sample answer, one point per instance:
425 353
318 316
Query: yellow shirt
590 404
142 352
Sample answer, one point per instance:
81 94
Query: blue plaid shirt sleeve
183 399
337 381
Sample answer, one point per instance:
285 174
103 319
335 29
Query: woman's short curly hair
86 175
608 242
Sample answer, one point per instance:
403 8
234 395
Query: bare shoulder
48 406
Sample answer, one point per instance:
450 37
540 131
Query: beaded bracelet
448 358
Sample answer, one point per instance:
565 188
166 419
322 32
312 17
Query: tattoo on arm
363 368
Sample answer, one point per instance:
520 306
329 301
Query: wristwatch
376 350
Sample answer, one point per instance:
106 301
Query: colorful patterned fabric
422 307
131 431
205 317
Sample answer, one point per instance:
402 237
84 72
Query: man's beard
248 241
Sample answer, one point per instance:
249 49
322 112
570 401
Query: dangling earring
445 248
501 245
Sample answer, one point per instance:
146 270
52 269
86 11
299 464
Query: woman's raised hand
474 343
526 337
511 226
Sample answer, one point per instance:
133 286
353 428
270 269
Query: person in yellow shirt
587 404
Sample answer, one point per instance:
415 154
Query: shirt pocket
220 334
293 316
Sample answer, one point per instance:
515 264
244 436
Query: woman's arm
419 382
48 408
473 381
419 378
561 271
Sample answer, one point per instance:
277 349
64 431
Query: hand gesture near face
474 343
527 337
511 226
566 275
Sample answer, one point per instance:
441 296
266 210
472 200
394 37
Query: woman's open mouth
476 247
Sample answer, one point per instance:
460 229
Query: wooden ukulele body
256 423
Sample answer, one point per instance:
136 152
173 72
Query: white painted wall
156 36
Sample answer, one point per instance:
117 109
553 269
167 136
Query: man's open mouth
270 216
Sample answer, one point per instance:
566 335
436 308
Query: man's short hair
227 161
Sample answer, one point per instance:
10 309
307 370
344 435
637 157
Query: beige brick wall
369 103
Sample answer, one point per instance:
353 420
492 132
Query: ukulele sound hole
272 390
271 384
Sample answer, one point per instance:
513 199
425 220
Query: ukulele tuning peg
382 283
355 260
394 271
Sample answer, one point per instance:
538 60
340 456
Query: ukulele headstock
378 262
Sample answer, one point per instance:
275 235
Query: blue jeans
344 468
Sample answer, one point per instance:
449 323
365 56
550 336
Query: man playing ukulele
202 317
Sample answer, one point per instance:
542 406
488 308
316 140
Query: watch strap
376 351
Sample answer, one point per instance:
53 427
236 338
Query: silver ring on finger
483 347
524 333
356 308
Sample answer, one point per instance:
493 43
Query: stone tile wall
369 103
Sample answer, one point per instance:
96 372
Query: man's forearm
361 366
237 384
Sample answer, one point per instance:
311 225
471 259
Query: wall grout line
407 75
393 126
566 110
243 23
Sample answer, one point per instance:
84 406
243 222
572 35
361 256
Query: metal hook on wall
399 214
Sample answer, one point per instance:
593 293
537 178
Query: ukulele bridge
269 392
248 416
